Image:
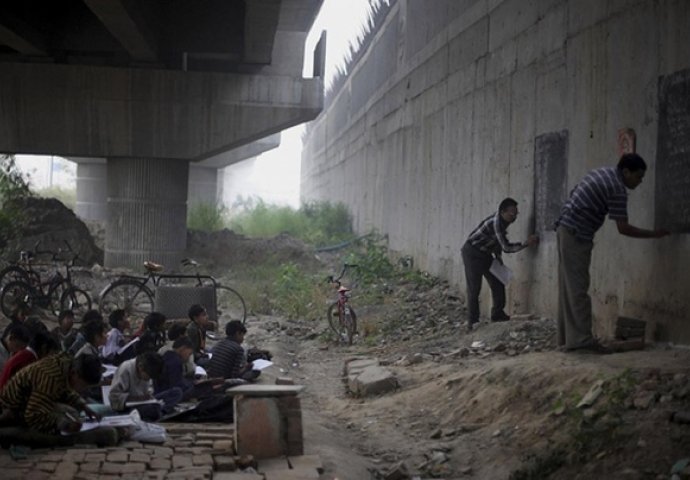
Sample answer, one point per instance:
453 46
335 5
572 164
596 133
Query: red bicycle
341 316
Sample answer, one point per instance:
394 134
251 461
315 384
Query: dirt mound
50 223
226 248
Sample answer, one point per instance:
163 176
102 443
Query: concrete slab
265 390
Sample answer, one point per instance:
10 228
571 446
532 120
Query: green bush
374 266
67 196
295 292
207 217
316 223
12 187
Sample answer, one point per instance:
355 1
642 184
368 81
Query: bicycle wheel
13 294
77 300
349 322
13 273
230 304
56 293
131 296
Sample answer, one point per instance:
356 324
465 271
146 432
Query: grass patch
207 217
318 223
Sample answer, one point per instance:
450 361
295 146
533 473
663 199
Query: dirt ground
488 417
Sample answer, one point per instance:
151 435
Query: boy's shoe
500 317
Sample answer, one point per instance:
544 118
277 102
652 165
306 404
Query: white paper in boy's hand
200 371
260 364
500 271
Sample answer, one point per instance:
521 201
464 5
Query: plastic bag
146 432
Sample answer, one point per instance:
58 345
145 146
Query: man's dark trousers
477 265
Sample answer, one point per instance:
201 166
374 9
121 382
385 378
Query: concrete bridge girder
105 112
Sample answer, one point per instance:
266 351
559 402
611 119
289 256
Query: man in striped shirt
485 243
601 192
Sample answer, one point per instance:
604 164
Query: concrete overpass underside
151 87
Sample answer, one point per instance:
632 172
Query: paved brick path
193 451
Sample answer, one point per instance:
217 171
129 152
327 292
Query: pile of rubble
226 248
51 225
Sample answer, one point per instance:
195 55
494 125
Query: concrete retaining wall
437 123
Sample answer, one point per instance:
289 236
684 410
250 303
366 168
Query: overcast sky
278 170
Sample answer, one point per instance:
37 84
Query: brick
65 470
162 452
47 466
140 457
156 474
181 462
224 445
52 457
90 467
131 444
301 474
160 464
118 457
202 460
95 457
74 457
224 463
284 381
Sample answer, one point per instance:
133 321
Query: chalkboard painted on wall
672 209
550 171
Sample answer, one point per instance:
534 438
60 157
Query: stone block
95 457
90 467
179 461
224 463
224 446
140 457
284 381
118 457
373 380
160 464
354 367
203 460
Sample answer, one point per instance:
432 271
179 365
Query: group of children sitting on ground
48 378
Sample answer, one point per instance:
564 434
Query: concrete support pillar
92 190
203 185
147 211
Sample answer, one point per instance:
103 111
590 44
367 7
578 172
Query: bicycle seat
152 266
343 289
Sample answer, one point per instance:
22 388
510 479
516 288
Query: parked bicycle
23 268
57 293
136 294
341 316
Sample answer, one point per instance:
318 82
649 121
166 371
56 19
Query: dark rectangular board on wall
550 172
672 207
